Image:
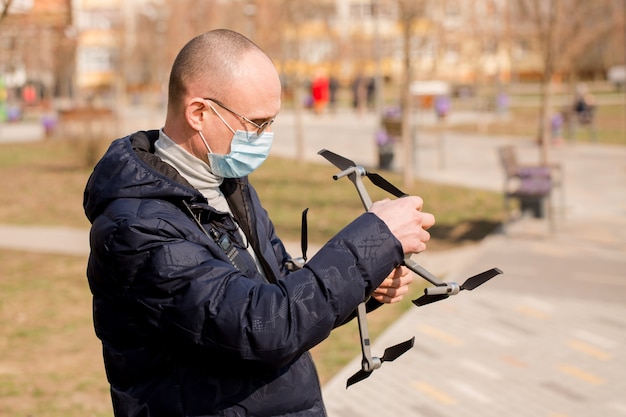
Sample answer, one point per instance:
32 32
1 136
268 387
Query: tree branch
6 5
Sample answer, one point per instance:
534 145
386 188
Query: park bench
531 185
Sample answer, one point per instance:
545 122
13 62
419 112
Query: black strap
223 241
237 193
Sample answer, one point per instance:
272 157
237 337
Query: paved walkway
546 338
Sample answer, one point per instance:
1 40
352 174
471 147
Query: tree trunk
545 133
408 150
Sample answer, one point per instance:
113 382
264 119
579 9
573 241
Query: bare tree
293 16
4 8
409 11
42 27
562 30
287 45
160 28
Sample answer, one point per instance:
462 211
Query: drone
439 291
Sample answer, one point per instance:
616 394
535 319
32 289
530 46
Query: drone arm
368 364
365 198
355 174
440 287
422 272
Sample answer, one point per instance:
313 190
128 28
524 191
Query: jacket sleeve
178 288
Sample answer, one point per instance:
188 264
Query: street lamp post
378 84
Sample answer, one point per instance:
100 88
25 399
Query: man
197 312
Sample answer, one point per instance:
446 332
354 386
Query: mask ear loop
205 142
220 116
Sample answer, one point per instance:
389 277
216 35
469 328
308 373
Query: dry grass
50 360
48 179
610 125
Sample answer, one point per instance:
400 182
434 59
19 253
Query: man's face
253 99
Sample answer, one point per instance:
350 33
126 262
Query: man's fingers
428 220
400 276
395 286
392 292
388 298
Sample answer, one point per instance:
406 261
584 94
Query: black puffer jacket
184 332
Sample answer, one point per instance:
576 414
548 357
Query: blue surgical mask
247 152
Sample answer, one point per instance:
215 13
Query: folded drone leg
369 363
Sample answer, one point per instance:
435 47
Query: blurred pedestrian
333 87
371 93
320 92
442 106
584 107
359 93
556 127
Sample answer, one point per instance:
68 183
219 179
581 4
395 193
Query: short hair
213 56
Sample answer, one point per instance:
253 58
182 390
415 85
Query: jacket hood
129 169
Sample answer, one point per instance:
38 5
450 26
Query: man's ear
195 113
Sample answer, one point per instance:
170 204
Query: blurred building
454 40
99 27
105 49
113 37
37 45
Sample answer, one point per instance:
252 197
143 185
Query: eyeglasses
260 127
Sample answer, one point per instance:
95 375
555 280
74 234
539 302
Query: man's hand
406 220
394 287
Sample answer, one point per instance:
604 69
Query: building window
94 60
